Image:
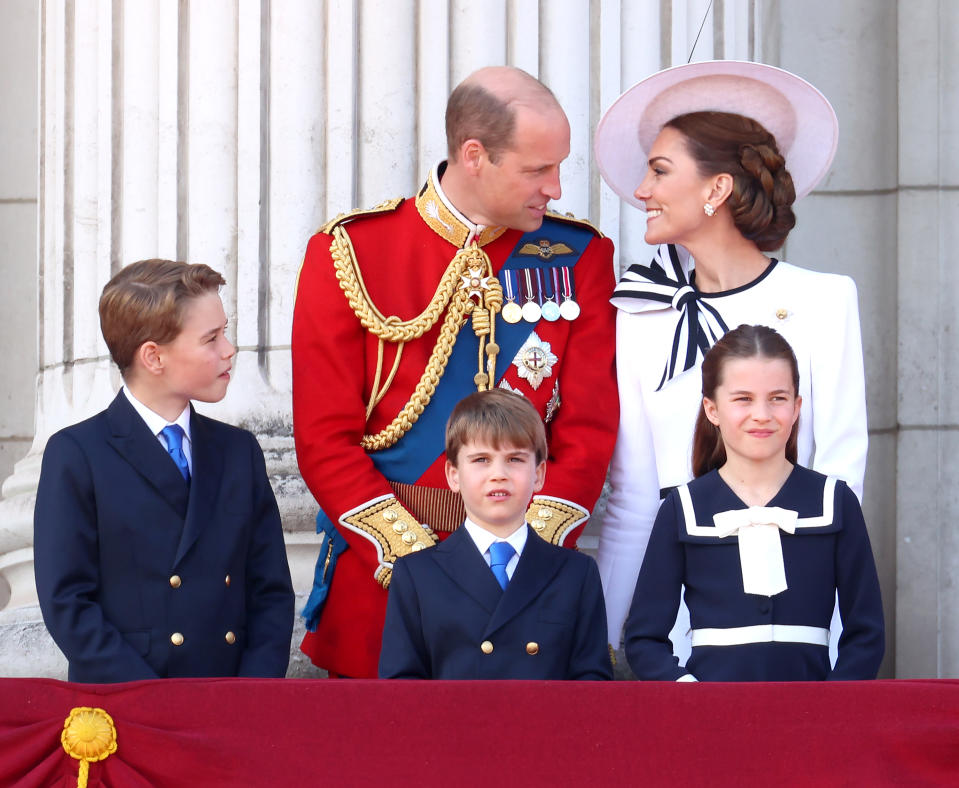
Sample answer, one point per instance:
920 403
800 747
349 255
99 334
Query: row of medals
539 304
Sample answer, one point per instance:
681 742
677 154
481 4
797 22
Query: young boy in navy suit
494 600
157 540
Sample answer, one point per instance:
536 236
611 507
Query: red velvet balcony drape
230 732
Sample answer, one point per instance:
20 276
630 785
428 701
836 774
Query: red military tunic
401 252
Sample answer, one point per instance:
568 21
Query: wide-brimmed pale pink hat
799 116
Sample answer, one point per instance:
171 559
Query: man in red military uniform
403 310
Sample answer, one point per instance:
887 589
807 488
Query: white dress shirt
155 422
483 539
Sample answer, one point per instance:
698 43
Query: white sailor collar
445 220
816 519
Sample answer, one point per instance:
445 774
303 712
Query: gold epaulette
554 518
570 219
384 207
394 530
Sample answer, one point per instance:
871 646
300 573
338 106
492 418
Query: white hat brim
800 118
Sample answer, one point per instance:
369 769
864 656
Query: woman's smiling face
674 191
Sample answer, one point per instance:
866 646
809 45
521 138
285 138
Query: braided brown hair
763 193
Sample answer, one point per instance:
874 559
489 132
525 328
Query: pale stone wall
226 131
18 229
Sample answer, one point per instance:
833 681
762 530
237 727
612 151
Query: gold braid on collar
469 274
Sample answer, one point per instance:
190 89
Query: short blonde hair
145 301
501 417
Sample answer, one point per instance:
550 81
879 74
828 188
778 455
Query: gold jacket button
226 580
176 639
486 647
175 581
230 638
532 648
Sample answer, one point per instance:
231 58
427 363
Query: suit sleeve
66 563
590 658
269 591
656 600
329 405
862 643
582 435
839 388
634 498
403 654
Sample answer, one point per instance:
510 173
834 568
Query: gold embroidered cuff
395 531
553 518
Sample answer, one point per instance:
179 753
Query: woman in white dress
716 153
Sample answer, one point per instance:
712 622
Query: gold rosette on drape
88 735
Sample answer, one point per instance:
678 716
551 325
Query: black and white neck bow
664 284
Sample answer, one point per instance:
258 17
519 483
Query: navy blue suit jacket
128 559
444 604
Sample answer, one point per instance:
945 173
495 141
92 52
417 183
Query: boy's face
196 365
496 484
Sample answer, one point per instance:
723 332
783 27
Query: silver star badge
535 360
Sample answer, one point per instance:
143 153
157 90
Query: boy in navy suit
494 600
157 540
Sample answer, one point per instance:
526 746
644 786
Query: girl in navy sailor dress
761 544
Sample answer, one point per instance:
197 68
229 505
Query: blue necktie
499 556
174 445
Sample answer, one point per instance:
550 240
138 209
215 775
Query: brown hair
501 417
709 452
763 192
145 302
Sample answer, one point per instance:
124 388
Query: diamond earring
708 209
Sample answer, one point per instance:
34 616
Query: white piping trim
761 633
820 521
572 504
361 532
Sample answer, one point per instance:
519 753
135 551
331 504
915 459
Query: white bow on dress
760 548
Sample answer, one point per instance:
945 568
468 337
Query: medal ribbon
509 285
567 284
529 285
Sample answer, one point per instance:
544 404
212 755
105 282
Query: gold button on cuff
176 639
226 580
175 581
400 527
417 547
409 537
230 638
390 515
486 647
532 648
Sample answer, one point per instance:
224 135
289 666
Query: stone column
927 206
848 224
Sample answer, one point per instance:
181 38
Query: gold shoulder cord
469 273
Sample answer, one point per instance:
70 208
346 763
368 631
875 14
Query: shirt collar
483 538
155 422
445 220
